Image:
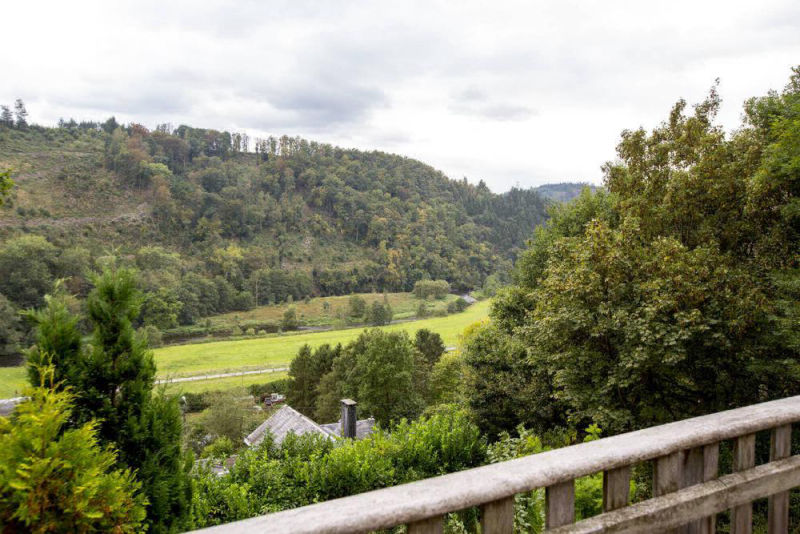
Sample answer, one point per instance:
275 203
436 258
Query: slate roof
363 428
287 420
7 405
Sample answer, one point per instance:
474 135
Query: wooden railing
687 490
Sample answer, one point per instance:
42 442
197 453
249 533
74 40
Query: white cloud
508 91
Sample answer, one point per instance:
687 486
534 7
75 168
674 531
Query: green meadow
256 353
224 384
278 350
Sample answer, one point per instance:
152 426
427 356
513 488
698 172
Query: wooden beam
744 457
498 517
616 488
668 473
701 500
778 504
701 464
560 504
432 525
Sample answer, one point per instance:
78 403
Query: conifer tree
21 113
6 118
59 479
120 370
113 384
58 342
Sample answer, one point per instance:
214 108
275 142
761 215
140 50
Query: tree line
671 293
226 229
16 119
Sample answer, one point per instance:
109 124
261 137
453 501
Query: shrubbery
260 391
431 288
55 477
457 305
308 469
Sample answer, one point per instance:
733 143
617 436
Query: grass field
325 311
12 380
223 384
271 351
277 350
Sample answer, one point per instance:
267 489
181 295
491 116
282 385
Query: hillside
214 228
563 192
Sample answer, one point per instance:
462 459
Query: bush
229 417
153 335
244 301
250 331
357 306
457 305
262 390
309 468
194 402
289 321
58 479
219 449
431 288
422 310
379 314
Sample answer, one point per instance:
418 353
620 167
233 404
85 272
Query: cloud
523 92
475 102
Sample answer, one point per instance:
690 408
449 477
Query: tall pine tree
21 113
113 382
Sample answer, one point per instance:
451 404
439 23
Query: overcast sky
511 92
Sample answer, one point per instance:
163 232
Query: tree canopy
670 295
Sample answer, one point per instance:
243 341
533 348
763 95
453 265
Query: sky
513 93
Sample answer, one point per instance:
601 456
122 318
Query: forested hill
563 192
213 227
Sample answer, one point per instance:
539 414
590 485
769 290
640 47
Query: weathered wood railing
687 489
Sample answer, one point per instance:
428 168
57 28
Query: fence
687 490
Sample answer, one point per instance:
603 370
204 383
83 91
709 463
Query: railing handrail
408 503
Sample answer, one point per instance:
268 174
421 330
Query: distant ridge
565 191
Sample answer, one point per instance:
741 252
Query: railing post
498 517
432 525
668 476
701 465
778 504
616 488
744 457
560 504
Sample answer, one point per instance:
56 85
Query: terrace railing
687 488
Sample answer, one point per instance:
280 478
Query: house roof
281 423
363 428
287 420
7 405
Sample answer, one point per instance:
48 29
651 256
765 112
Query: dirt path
221 375
132 217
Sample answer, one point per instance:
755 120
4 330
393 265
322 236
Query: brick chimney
348 418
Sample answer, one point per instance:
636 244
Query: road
221 375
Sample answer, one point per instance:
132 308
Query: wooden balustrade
687 491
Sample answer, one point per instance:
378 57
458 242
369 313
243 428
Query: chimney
348 418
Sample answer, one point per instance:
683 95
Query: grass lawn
326 311
223 384
277 350
12 380
257 353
